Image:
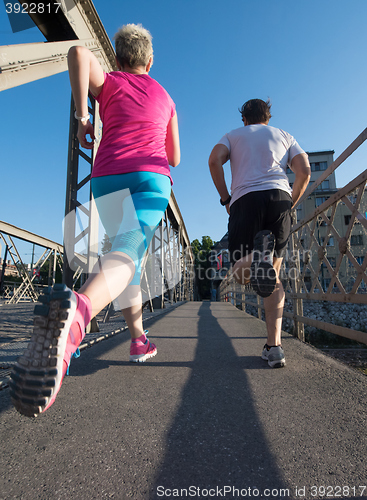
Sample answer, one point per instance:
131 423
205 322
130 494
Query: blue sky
211 56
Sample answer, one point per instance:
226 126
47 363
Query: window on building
318 166
356 239
225 258
320 200
326 283
323 186
332 261
347 219
358 259
330 242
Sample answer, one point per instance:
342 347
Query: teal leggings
130 207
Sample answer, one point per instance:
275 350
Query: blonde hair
133 45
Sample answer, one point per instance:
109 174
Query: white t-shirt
259 156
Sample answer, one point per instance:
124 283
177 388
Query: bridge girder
77 23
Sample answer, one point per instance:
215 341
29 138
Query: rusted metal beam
25 235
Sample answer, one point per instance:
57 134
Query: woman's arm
173 142
85 74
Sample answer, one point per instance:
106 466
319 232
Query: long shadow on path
216 439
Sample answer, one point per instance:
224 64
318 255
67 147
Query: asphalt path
205 418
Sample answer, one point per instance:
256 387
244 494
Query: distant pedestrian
259 208
131 184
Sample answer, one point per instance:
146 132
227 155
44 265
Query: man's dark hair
256 111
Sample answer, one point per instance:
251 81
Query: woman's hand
83 131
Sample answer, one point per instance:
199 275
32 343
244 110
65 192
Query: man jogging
259 208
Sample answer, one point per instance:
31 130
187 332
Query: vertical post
299 330
180 263
73 185
184 270
3 271
163 271
156 272
51 268
93 238
243 298
71 195
176 272
259 311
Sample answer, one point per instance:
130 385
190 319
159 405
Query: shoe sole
134 358
263 276
37 375
276 363
279 363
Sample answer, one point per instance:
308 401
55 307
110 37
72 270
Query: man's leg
274 308
273 304
242 270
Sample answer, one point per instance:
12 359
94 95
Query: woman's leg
142 198
59 323
109 278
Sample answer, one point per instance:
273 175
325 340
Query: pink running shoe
58 331
140 351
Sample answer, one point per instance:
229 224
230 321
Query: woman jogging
131 184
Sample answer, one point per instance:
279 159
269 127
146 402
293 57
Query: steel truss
77 23
52 252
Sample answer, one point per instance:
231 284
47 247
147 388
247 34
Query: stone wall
352 316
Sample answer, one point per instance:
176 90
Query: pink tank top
135 111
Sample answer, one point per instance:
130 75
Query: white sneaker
274 356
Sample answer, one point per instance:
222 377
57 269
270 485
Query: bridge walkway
206 413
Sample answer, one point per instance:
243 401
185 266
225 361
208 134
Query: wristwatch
224 203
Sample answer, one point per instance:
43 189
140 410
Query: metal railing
13 289
168 268
326 258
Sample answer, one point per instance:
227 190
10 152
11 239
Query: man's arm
301 167
218 157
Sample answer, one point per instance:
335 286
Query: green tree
202 252
44 271
106 245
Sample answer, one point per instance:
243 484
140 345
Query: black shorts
254 212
